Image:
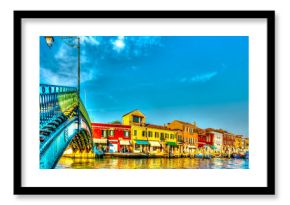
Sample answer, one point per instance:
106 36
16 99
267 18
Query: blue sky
189 78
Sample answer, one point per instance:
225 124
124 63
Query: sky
202 79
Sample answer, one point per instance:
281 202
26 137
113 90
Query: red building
205 138
209 138
112 137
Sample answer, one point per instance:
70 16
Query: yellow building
149 138
134 117
137 121
238 144
246 143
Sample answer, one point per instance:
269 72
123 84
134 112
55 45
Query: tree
116 122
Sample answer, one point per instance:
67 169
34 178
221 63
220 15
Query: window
104 133
149 134
156 134
126 133
179 138
136 119
111 132
144 133
166 136
171 136
162 136
135 132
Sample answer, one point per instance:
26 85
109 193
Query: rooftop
131 112
157 126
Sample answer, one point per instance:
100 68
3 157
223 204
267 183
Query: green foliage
118 122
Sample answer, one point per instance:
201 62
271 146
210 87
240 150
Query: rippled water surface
152 163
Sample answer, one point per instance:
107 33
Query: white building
217 140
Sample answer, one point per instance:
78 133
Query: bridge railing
53 100
56 100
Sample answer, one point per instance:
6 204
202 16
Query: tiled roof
157 126
131 112
94 124
184 123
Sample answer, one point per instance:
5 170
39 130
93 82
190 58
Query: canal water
152 163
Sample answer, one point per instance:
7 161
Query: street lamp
49 40
70 41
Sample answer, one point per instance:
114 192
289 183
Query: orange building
228 141
187 135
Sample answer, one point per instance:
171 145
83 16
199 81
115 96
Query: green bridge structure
64 122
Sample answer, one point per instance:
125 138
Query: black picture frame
268 190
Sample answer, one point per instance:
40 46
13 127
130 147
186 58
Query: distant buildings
177 138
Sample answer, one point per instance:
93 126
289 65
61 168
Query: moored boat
126 155
199 155
98 153
236 156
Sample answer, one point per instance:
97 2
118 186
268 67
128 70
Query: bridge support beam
54 149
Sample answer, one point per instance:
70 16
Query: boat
199 155
236 156
126 155
246 156
185 155
98 153
207 156
226 155
218 155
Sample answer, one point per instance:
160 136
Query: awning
100 141
213 147
142 142
171 143
124 142
154 144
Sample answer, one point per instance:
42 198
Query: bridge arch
59 124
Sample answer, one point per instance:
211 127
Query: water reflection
152 163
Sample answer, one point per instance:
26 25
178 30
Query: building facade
187 135
245 143
238 144
228 142
149 138
218 141
112 137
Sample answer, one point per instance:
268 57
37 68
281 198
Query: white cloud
49 77
89 40
199 78
119 44
121 37
64 68
89 74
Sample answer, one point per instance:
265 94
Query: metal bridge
64 122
